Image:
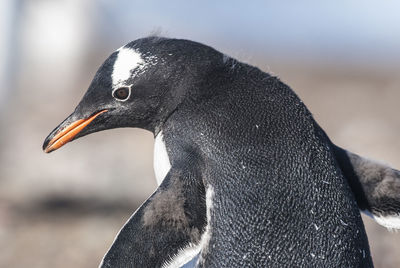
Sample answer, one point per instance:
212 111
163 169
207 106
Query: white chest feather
390 222
161 162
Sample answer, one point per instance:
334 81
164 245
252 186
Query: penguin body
247 177
263 189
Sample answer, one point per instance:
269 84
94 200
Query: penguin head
139 85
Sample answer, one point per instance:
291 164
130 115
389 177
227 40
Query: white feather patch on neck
161 162
127 60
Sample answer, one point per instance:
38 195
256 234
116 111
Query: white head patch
127 61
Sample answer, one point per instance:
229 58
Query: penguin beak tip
64 134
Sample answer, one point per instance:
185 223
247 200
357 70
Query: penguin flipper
165 231
376 187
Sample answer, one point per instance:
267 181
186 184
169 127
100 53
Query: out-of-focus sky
348 29
64 209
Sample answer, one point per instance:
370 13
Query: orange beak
69 132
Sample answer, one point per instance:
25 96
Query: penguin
247 178
375 185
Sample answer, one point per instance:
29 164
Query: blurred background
64 209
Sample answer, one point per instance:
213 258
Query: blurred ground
64 209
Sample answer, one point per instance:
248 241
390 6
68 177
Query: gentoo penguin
246 177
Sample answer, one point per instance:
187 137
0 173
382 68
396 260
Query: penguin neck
161 161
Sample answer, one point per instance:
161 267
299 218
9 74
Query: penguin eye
122 93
